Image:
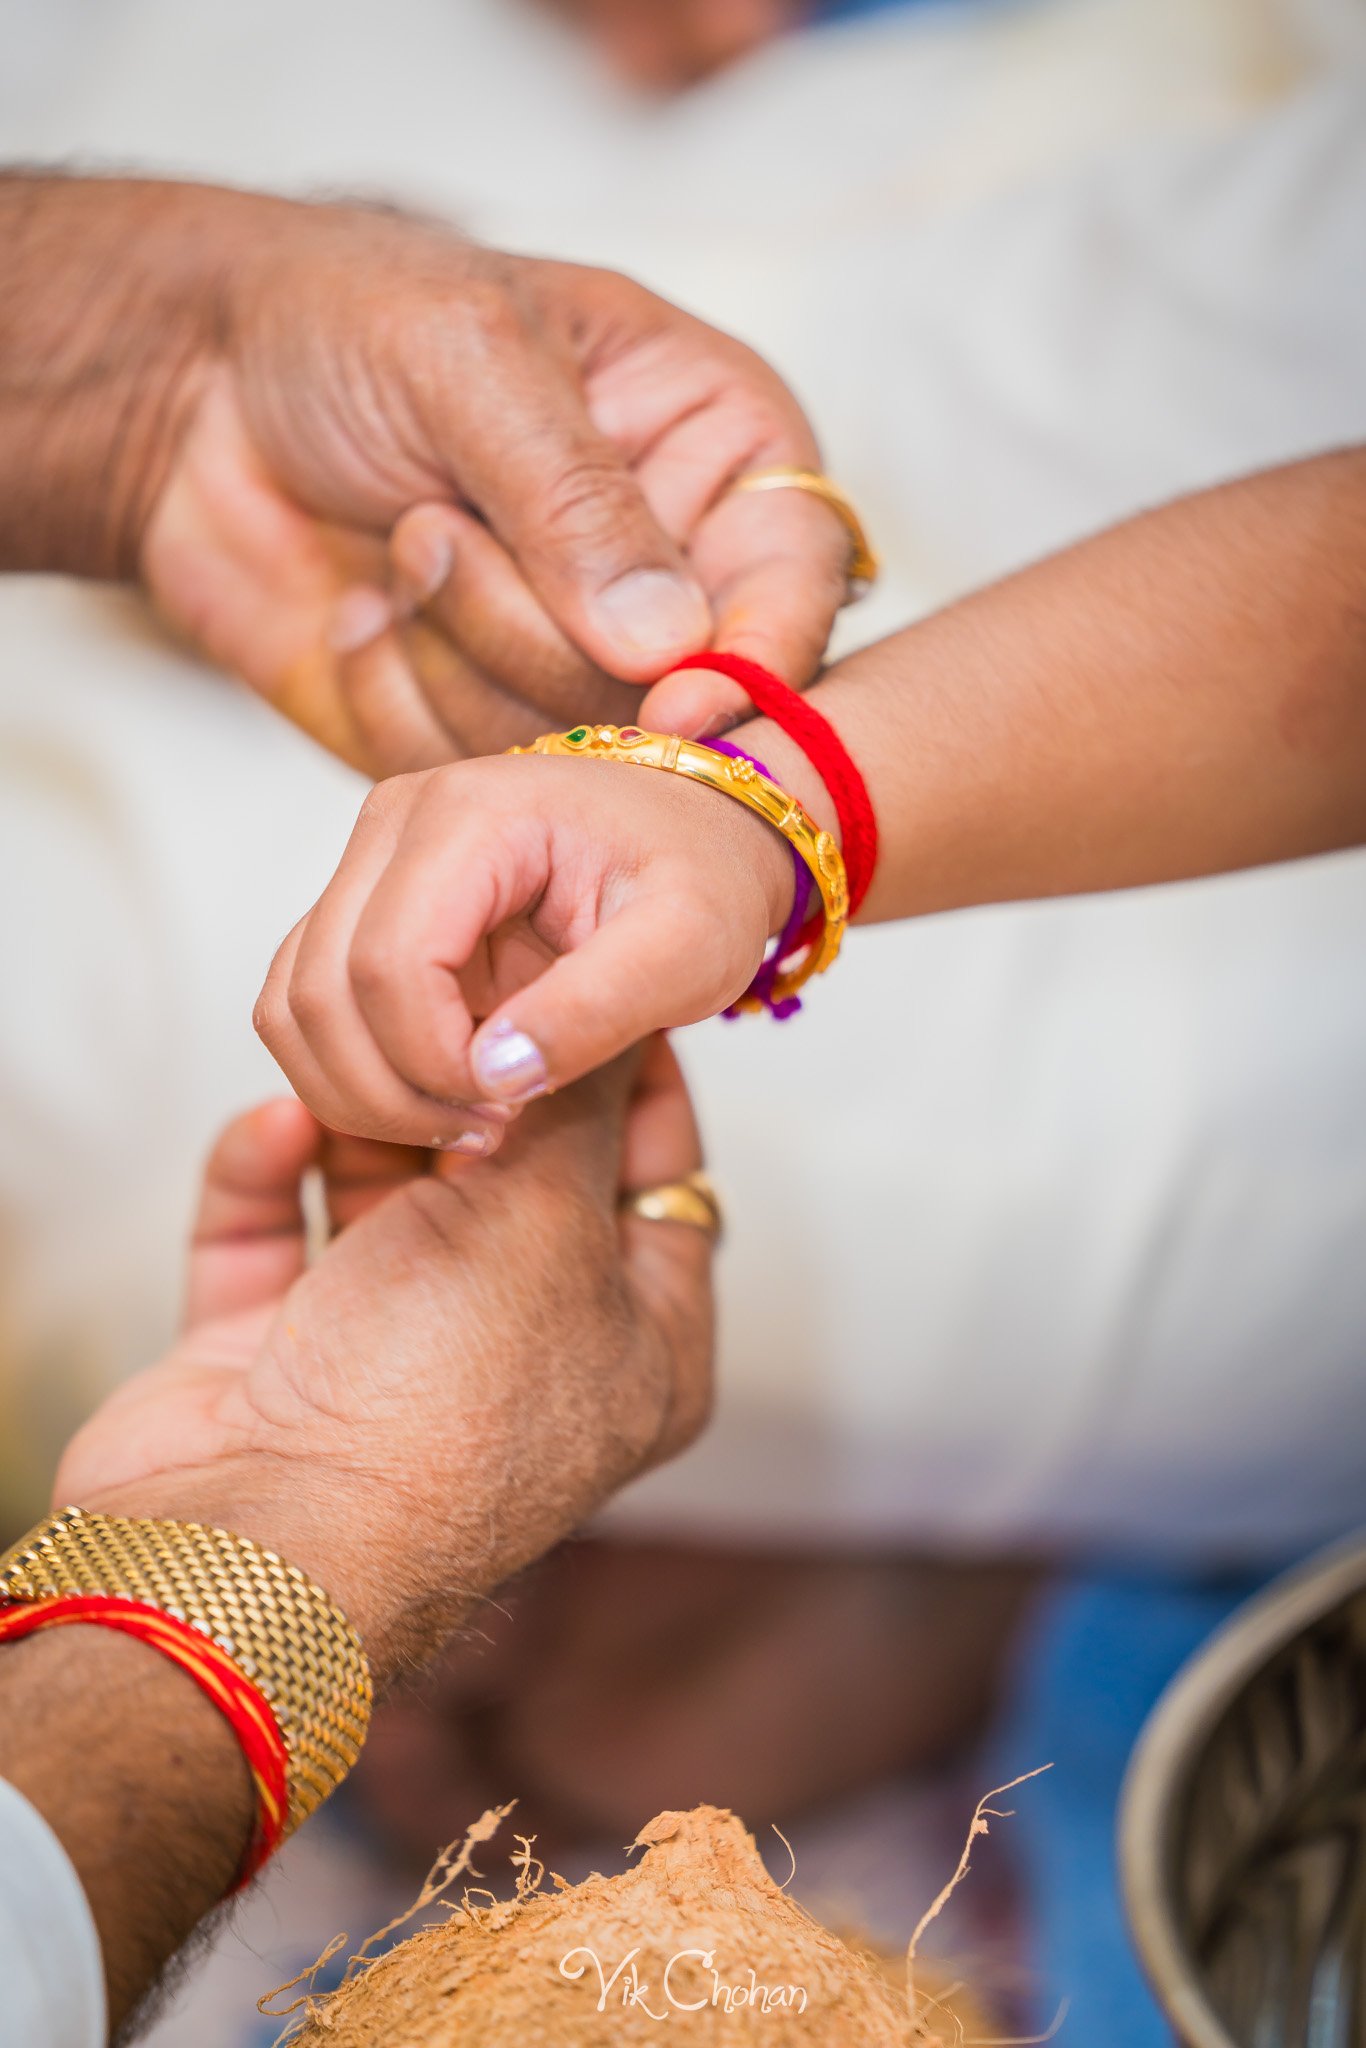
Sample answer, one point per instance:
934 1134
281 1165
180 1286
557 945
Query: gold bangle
282 1631
739 779
864 562
692 1200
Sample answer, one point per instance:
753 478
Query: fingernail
653 612
427 562
724 721
358 616
508 1064
496 1112
470 1144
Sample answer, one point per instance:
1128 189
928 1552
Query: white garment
51 1972
1047 1221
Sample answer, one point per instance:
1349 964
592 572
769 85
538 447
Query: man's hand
467 1372
301 425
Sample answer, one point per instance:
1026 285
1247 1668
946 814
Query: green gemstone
578 736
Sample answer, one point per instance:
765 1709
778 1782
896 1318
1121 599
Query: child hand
574 906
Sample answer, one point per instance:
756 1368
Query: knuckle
489 313
309 1003
375 809
374 965
591 501
265 1020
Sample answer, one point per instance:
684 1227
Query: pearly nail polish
470 1144
358 617
508 1065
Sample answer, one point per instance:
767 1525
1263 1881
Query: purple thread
781 1007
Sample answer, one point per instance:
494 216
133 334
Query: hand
574 905
466 1373
429 499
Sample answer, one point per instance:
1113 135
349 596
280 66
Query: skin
1181 695
423 497
396 1419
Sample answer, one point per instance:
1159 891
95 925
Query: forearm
140 1779
1182 695
114 300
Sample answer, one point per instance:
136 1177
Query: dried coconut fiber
696 1933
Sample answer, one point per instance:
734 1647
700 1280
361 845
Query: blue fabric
1103 1652
846 10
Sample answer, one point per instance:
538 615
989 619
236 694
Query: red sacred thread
828 755
214 1672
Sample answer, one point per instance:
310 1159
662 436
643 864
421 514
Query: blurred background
1044 1309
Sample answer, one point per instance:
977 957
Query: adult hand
300 423
468 1371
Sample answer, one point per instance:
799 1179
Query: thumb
647 968
560 497
669 1264
249 1237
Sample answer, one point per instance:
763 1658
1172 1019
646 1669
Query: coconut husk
696 1933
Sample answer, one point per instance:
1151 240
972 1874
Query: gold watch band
282 1631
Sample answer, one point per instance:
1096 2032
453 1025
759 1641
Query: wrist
772 860
122 291
792 771
352 1540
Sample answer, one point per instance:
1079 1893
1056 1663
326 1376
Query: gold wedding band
864 563
692 1200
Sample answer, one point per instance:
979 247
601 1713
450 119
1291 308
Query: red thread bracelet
825 750
221 1680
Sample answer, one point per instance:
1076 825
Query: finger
772 563
669 1264
360 1172
559 496
248 1242
776 565
454 881
471 588
396 728
574 1138
309 1018
661 1141
697 703
473 706
654 964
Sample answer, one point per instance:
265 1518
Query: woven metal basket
1243 1824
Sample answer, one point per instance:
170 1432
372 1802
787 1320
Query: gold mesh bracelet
282 1631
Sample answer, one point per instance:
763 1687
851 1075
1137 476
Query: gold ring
864 562
692 1200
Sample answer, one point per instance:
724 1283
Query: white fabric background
1047 1221
50 1964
